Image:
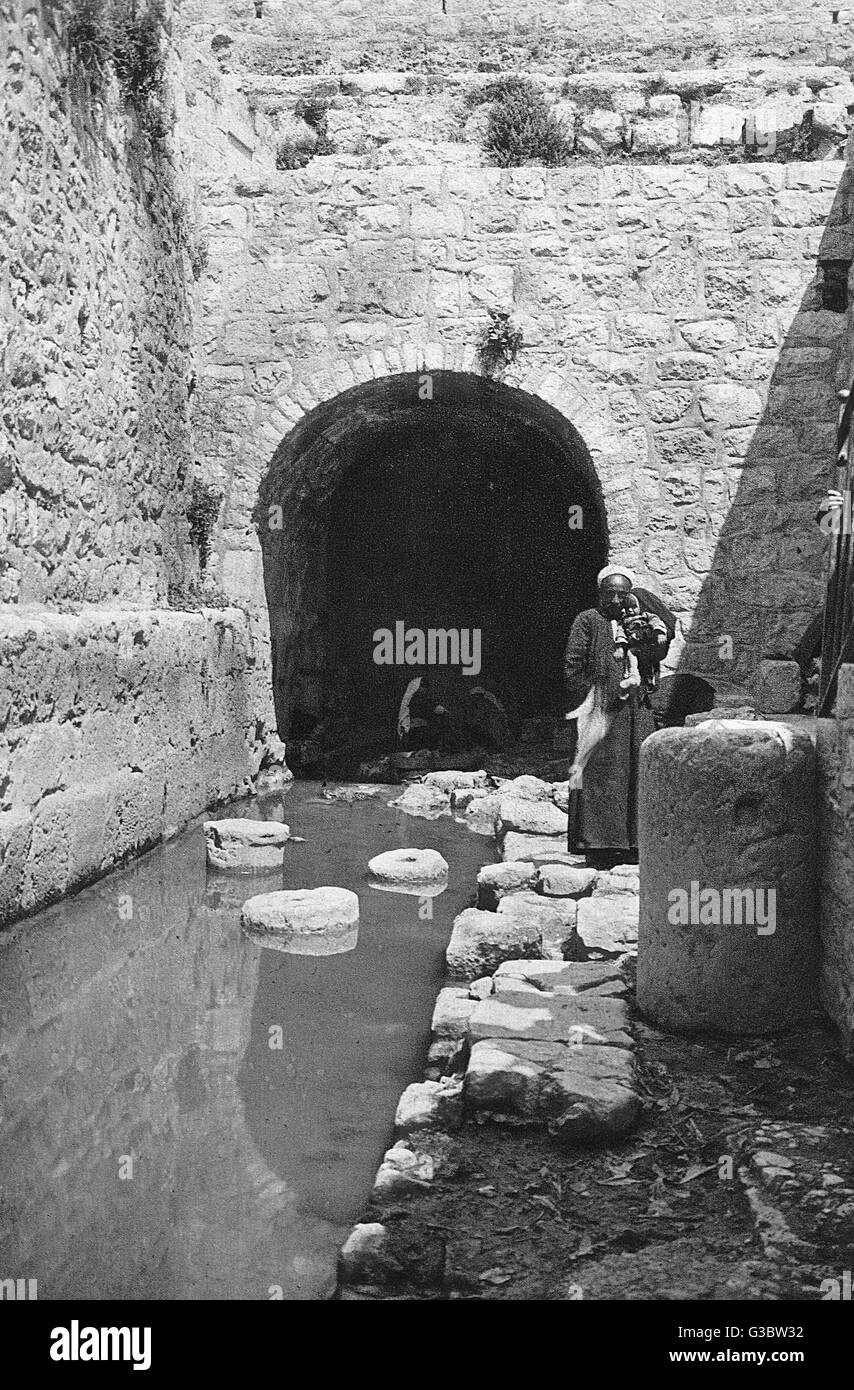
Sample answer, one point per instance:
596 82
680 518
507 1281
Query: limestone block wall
117 727
835 749
120 718
673 315
95 334
274 35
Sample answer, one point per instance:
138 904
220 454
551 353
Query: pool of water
188 1114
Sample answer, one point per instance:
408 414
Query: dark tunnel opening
474 514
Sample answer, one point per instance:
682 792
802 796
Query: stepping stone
496 880
244 845
608 925
480 941
481 814
581 1020
451 1013
527 788
530 817
543 849
409 866
583 1094
554 916
430 1105
304 921
419 800
564 880
452 781
561 977
623 878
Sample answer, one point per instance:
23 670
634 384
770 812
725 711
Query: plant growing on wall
501 342
522 127
124 37
202 511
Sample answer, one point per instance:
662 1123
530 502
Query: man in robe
613 717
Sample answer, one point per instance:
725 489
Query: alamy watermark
433 646
727 907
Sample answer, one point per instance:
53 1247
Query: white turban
609 570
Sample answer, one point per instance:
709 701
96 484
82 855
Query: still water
185 1114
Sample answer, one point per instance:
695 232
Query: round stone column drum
728 939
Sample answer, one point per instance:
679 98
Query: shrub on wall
202 511
522 127
500 343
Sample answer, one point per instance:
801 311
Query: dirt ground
737 1184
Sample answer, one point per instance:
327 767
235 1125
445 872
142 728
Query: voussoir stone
728 937
409 866
303 915
480 941
244 844
530 817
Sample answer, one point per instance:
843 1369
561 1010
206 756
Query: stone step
608 925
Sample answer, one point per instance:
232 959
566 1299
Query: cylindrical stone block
728 938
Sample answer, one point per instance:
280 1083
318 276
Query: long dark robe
603 815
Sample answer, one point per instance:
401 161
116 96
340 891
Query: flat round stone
304 921
404 866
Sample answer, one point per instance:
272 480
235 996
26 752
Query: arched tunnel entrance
440 502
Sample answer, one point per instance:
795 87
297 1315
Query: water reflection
186 1114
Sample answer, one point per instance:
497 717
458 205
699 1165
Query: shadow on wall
438 501
751 492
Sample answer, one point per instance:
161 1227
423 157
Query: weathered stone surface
451 1012
430 1105
525 788
481 813
778 687
561 977
608 926
242 844
554 917
480 941
366 1256
494 881
542 849
585 1094
315 920
420 800
560 795
727 810
576 1019
623 878
409 866
448 782
565 880
530 817
835 770
402 1172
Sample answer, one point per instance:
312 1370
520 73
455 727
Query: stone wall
672 315
119 717
118 727
835 748
329 35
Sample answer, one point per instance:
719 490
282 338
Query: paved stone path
533 1027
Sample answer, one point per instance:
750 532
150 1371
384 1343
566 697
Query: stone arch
417 428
